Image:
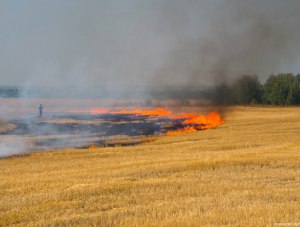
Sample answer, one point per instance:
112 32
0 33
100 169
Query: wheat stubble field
246 172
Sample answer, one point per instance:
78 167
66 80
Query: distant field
4 126
245 172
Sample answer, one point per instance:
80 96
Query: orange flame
179 131
192 122
153 112
196 122
211 120
140 112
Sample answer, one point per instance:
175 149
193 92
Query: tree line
9 92
279 89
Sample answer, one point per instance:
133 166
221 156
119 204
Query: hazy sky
140 42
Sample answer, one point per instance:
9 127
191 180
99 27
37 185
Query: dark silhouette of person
41 110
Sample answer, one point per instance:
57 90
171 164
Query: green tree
298 89
282 89
247 89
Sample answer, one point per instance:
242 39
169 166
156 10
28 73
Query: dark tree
222 95
247 89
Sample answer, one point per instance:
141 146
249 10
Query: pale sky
145 42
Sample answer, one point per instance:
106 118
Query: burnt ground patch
82 130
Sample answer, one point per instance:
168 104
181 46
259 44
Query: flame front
211 120
189 122
196 122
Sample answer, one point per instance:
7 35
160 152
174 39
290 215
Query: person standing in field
41 110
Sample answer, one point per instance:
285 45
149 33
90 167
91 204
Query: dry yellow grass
243 173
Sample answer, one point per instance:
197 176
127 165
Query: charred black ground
83 130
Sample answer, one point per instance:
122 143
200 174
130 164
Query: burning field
244 173
149 113
103 127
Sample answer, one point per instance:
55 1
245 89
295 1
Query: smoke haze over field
122 44
109 48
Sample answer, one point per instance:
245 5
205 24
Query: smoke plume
122 45
13 146
112 48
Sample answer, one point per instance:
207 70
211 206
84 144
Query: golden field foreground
246 172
